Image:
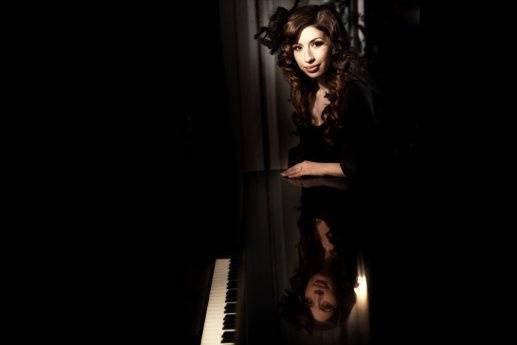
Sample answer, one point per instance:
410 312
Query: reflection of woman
333 113
322 288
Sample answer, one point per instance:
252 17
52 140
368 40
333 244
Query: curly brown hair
345 65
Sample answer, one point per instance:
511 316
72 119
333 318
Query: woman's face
312 52
320 297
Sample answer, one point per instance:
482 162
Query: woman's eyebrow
314 39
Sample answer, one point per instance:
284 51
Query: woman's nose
309 58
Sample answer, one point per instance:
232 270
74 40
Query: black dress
352 146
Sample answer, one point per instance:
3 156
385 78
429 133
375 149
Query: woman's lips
312 69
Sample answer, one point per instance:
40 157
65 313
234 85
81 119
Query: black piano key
234 266
230 322
228 326
232 284
229 291
231 296
233 270
229 318
230 308
228 337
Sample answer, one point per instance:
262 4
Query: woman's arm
308 168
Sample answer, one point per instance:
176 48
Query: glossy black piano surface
279 219
294 231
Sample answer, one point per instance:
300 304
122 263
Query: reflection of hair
330 206
310 252
344 64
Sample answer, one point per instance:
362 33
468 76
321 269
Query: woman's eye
297 48
318 43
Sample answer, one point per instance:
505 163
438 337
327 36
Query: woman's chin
313 75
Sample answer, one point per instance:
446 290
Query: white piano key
214 318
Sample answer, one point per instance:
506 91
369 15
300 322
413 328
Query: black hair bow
272 35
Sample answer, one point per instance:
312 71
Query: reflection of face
320 297
325 235
312 52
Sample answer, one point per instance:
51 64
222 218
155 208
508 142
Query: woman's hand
305 168
308 168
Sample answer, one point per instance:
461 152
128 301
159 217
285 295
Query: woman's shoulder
359 98
358 89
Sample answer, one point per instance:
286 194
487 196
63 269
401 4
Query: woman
333 111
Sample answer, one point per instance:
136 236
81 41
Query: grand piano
247 289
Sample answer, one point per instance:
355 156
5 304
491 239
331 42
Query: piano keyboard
220 318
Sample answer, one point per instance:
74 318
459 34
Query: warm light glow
358 323
361 290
